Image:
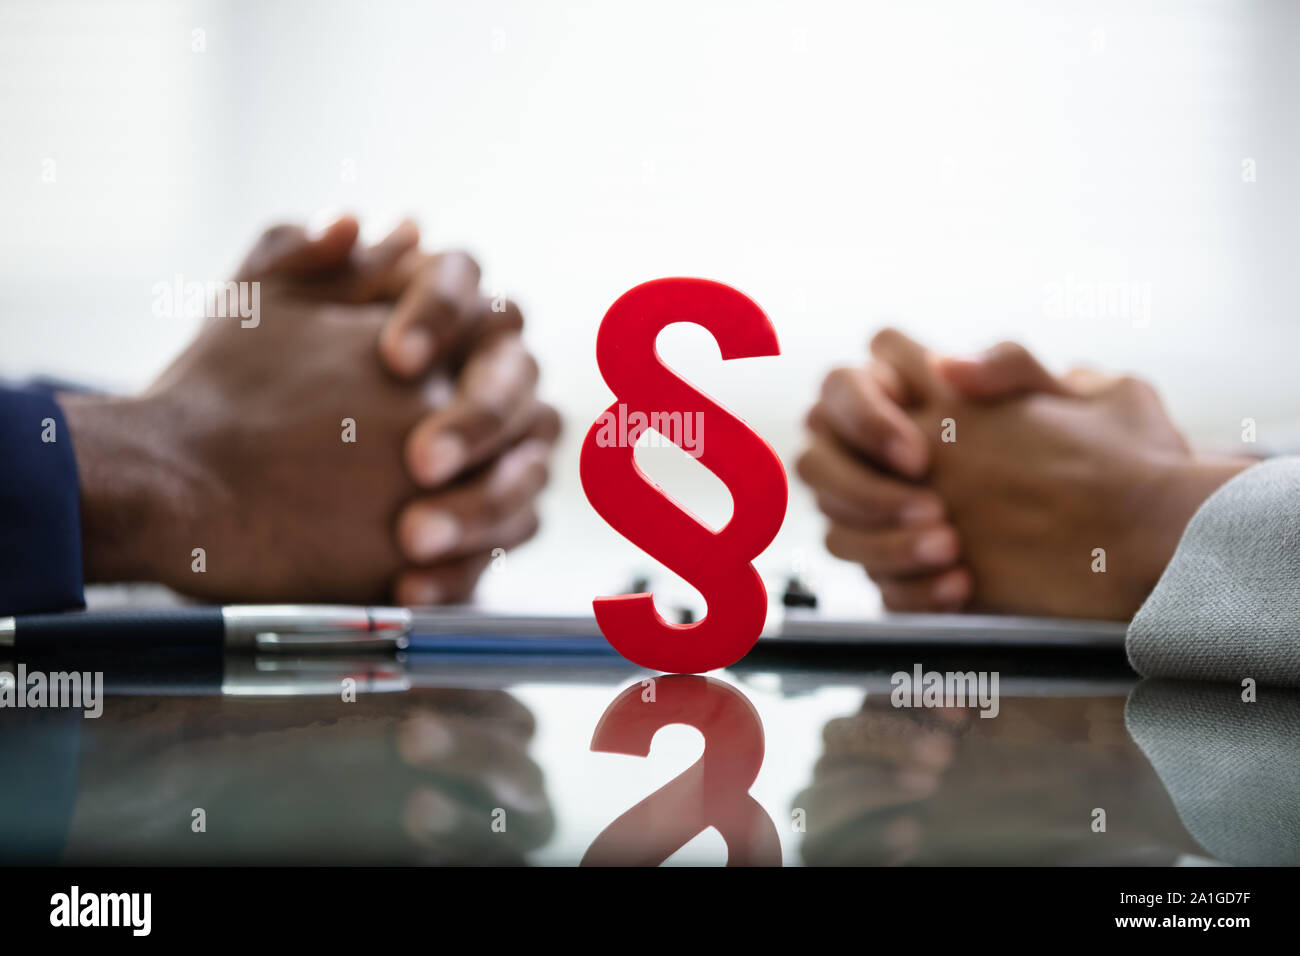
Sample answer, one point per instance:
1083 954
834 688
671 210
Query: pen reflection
712 792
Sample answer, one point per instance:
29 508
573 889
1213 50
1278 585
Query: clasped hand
992 484
376 435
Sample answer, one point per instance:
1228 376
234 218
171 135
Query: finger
855 493
454 579
547 425
478 515
492 319
370 272
889 381
494 405
1086 382
291 250
444 583
895 551
849 513
910 361
842 511
404 272
502 537
865 418
943 592
431 314
1006 369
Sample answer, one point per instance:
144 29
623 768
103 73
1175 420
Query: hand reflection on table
415 777
712 792
1231 767
938 786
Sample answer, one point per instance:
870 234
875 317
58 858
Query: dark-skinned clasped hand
375 435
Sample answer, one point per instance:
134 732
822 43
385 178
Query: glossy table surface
798 757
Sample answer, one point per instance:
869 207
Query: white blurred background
941 166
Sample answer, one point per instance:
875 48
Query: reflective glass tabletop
795 759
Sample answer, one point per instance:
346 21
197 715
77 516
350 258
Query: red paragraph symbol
650 395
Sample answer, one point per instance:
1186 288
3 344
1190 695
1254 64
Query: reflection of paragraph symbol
716 563
712 792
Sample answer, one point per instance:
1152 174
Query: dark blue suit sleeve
40 506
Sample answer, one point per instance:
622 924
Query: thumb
290 250
1004 370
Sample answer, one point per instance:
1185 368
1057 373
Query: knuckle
413 450
512 315
1134 387
892 548
891 597
279 232
490 417
493 509
1011 353
522 526
409 589
406 535
532 370
868 427
549 422
828 505
837 543
805 467
884 338
460 259
539 474
836 379
481 419
459 579
459 586
441 305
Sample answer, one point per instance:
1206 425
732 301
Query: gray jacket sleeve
1228 605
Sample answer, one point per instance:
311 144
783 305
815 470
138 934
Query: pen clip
278 642
290 627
